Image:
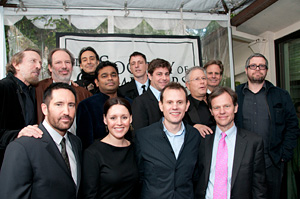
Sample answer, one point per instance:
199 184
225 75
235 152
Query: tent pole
2 44
232 84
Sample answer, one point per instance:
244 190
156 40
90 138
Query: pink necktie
220 185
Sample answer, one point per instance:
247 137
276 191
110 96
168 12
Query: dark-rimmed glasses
260 66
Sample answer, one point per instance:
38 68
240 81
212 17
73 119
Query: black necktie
144 88
64 152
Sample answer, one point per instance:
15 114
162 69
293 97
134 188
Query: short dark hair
159 63
256 55
219 90
103 65
113 101
55 86
89 48
173 86
17 58
60 49
217 62
136 53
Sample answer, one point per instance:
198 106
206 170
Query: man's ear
96 82
44 109
161 107
49 68
149 76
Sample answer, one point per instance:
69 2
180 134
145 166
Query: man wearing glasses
268 111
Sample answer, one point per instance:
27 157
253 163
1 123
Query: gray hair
256 55
188 72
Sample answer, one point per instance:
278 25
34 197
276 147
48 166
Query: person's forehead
170 91
224 98
107 69
137 57
60 94
161 69
61 54
257 59
197 72
88 53
213 68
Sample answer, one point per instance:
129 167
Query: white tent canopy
177 15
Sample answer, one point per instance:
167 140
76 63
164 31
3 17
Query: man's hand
31 131
203 130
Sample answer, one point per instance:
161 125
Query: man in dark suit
198 114
231 161
167 150
17 101
48 167
145 110
140 82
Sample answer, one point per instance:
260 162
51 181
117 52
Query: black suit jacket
12 111
145 110
129 90
162 175
248 172
34 168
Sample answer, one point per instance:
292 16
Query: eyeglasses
198 79
260 66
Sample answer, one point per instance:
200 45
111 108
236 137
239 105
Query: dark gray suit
34 168
248 172
162 175
145 110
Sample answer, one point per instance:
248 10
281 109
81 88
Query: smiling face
29 69
213 76
108 80
173 106
197 84
89 62
223 111
118 121
61 69
60 112
138 66
257 75
160 78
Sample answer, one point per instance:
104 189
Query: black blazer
12 111
129 90
161 174
145 110
34 168
248 172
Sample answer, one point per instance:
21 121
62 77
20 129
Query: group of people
146 139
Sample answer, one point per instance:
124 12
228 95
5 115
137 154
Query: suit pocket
279 115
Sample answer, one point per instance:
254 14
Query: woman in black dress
109 167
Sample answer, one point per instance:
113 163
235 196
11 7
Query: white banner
182 52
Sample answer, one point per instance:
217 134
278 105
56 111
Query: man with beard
60 65
48 167
88 60
268 111
17 101
89 118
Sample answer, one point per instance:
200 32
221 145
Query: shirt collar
247 87
181 132
54 134
230 132
155 92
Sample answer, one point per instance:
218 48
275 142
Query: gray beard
256 80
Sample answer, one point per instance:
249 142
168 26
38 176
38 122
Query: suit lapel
209 142
76 151
239 151
53 150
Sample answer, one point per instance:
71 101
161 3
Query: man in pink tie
231 161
